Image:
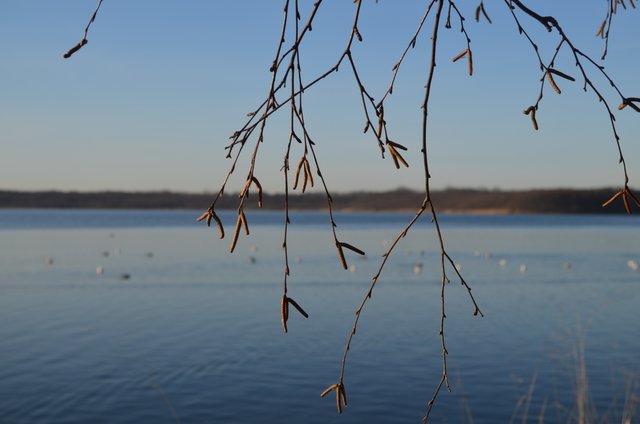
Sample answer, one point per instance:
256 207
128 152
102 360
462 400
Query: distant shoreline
476 201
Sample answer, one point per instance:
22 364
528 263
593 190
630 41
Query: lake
193 335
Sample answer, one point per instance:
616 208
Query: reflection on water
196 331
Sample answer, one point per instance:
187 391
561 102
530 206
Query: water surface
194 335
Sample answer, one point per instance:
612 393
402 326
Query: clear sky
150 102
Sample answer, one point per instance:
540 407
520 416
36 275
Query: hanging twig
286 69
84 40
581 60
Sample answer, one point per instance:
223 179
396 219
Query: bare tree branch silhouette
287 68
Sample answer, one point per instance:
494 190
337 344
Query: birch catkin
553 83
343 260
219 224
236 233
284 310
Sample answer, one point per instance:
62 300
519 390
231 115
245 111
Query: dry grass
583 410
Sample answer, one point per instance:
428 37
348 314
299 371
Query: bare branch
84 40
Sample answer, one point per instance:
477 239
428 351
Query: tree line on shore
448 200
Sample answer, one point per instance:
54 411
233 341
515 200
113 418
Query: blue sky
150 102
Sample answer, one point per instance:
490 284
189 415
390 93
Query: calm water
194 335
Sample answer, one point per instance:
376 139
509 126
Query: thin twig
156 385
84 40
